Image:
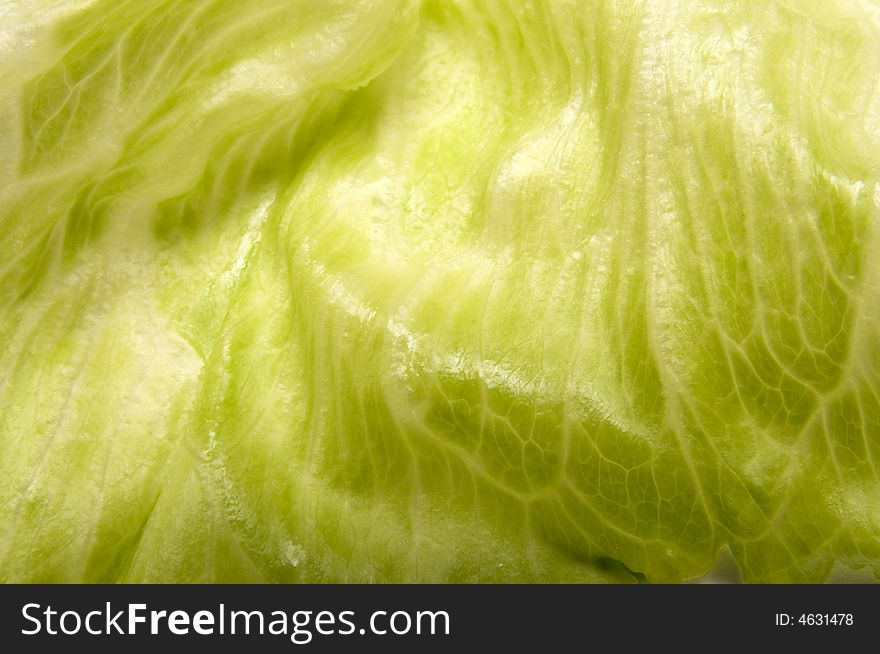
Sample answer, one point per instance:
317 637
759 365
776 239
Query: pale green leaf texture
455 291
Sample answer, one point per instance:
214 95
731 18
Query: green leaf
381 291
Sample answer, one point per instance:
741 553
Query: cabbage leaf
451 291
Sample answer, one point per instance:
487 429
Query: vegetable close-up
443 291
